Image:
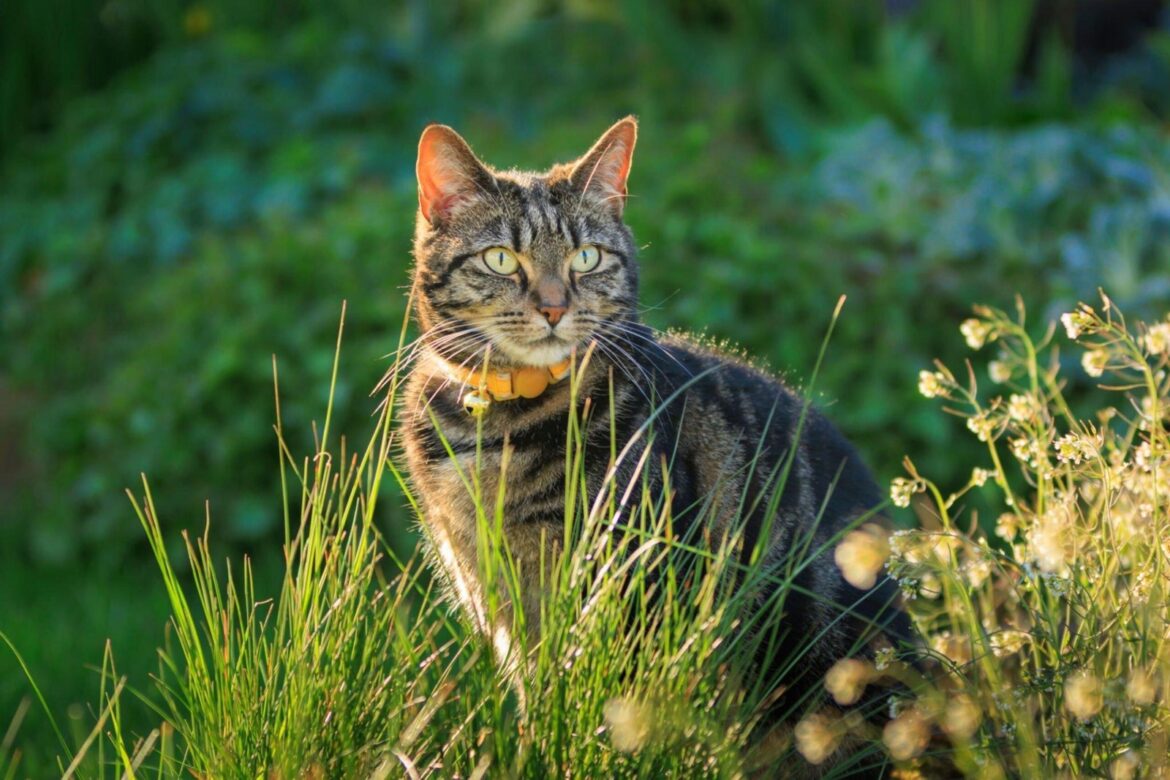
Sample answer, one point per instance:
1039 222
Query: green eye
501 260
585 259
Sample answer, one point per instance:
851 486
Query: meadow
177 237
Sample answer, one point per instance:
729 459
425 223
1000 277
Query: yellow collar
490 385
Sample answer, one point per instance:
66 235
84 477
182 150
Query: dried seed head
962 718
861 555
906 735
1141 688
846 680
628 722
1084 695
816 738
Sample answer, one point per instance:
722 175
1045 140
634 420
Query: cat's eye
502 261
585 259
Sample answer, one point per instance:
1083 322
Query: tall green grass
358 667
1045 649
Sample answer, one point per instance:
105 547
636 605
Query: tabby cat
525 271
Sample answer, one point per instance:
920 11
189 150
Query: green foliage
984 46
786 66
60 620
910 227
183 226
168 244
57 50
212 204
311 680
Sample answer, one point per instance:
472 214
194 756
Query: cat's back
736 416
787 482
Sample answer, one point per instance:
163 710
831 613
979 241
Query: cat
526 270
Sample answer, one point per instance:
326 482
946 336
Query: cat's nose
551 299
553 312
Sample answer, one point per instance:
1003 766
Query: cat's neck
485 364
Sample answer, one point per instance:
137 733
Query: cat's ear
449 173
603 171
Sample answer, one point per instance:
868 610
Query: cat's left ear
603 171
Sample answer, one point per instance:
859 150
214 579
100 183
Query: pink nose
553 313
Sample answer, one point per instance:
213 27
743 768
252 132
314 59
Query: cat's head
531 264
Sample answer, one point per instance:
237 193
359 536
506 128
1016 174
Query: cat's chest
449 464
461 482
463 470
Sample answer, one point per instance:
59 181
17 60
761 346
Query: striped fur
727 415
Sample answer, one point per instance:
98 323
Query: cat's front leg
455 548
456 557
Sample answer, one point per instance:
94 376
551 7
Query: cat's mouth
543 351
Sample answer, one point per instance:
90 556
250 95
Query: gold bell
476 403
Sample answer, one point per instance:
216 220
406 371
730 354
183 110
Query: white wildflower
981 425
999 371
1153 411
1079 322
976 571
1094 362
1007 526
955 647
1074 448
883 658
1049 540
929 586
944 547
1025 450
902 489
1020 407
975 332
1157 339
931 383
1008 642
1143 456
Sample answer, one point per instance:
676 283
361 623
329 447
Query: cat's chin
544 352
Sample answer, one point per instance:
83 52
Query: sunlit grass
1044 642
357 668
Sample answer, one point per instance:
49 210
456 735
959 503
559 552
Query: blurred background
189 188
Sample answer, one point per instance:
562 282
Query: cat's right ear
449 173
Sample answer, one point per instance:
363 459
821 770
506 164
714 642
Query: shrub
1050 636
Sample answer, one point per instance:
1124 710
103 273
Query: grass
1045 648
357 668
62 629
